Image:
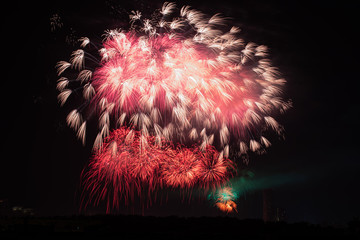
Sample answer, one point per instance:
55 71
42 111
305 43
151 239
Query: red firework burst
177 81
181 170
130 162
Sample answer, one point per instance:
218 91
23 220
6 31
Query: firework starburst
164 85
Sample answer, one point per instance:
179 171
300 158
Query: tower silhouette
268 212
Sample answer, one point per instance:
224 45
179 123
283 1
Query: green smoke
248 181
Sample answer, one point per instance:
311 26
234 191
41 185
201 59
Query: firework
173 95
225 198
55 22
129 162
227 206
187 78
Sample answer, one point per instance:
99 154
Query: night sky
313 43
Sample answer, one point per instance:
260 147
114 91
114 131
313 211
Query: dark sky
314 44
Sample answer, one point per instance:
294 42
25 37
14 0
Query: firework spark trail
124 165
184 78
185 85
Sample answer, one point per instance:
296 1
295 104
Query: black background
313 43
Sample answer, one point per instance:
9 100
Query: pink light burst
189 91
186 78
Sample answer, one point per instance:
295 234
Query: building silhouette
268 212
272 213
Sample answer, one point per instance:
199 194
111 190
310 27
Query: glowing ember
224 199
227 206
